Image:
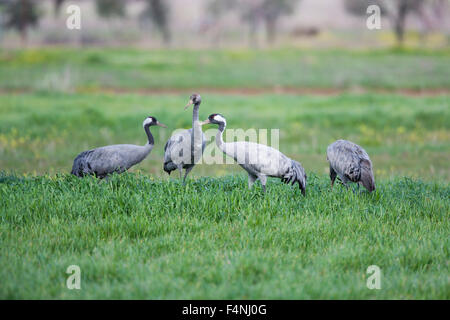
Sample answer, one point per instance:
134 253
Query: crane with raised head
184 149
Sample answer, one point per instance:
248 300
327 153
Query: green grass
139 237
142 235
42 133
90 69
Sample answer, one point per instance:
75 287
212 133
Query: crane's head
215 118
193 99
367 179
152 121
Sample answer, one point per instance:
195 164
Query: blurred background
218 23
311 68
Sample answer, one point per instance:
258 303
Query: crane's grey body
260 161
184 149
106 160
350 163
115 158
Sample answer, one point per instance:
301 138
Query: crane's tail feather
296 173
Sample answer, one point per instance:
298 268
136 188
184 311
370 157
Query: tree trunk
22 24
271 32
400 22
167 37
57 6
23 37
252 34
160 17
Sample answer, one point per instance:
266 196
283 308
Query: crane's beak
162 125
205 122
189 104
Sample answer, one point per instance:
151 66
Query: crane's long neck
196 127
141 152
151 141
219 137
195 115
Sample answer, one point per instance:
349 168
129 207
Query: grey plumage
260 161
115 158
184 149
350 163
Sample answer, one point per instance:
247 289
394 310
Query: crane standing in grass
184 149
260 161
115 158
351 163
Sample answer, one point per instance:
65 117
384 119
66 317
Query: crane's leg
186 173
263 180
180 170
251 180
345 181
332 176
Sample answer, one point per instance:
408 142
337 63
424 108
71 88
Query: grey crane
260 161
184 149
115 158
350 162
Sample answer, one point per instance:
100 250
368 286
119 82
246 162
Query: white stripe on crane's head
219 118
147 121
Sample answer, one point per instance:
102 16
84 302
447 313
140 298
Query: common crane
260 161
115 158
184 149
350 162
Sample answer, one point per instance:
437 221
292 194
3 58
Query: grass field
91 69
42 133
143 235
137 237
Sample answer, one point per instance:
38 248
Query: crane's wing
105 160
179 148
174 144
118 157
258 158
345 158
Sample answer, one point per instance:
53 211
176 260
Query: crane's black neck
195 113
151 141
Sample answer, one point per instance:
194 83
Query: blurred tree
399 9
396 10
272 11
218 7
359 7
257 12
57 6
2 2
110 8
158 11
433 15
20 15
